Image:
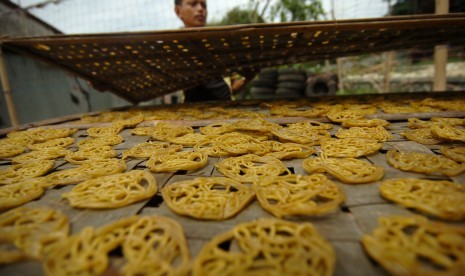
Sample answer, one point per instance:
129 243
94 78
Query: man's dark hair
177 2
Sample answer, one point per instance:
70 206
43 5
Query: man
193 14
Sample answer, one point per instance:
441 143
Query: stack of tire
291 83
321 85
264 86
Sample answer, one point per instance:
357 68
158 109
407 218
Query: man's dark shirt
216 90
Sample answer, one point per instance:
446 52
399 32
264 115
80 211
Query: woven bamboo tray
344 228
143 65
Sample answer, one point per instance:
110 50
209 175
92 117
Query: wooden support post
440 54
389 56
7 92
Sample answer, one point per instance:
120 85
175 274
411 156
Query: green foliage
296 10
240 16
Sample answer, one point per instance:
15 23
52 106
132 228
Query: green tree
241 16
296 10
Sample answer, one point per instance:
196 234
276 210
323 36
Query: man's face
192 12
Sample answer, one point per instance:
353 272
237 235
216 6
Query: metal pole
7 92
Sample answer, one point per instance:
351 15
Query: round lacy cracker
216 129
113 129
267 247
258 124
455 153
423 163
378 133
297 195
340 116
439 198
211 148
45 134
19 172
350 147
313 111
34 231
34 156
151 245
110 140
251 167
13 195
284 151
165 132
308 137
448 132
113 191
10 150
191 139
212 198
239 144
21 137
150 148
414 245
365 123
85 155
309 124
347 170
177 161
88 170
53 144
423 136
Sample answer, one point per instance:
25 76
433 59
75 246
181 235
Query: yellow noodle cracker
84 155
19 172
455 153
296 195
379 133
267 247
347 170
34 231
172 162
259 124
151 245
216 129
448 132
45 134
165 131
414 245
251 167
212 198
350 147
423 136
13 195
283 151
52 144
211 148
113 129
238 144
110 140
113 191
308 137
439 198
365 123
47 154
423 163
309 124
147 149
191 139
10 150
340 116
88 170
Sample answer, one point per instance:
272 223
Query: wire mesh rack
139 66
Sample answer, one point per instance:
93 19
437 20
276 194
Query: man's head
192 12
